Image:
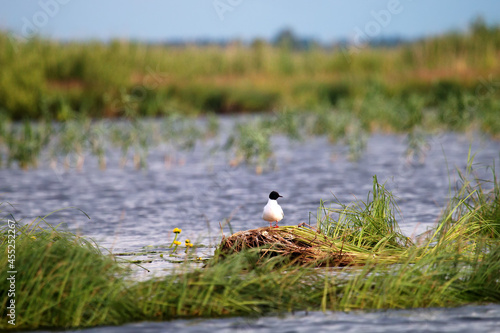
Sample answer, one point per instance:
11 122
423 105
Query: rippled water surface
467 319
130 210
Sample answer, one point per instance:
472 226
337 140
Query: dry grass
303 245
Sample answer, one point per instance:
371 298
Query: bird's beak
280 196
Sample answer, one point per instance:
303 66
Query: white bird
272 211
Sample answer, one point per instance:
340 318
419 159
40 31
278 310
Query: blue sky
158 20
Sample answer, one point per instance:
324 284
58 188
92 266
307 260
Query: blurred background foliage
60 95
455 73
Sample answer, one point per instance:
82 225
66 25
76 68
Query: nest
300 244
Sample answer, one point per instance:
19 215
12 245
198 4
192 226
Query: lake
134 211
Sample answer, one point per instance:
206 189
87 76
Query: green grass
481 202
66 281
453 73
63 278
371 224
52 95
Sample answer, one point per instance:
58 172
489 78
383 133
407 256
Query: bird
272 210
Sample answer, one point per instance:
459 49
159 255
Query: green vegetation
60 91
70 142
62 278
55 101
454 75
369 225
67 282
360 233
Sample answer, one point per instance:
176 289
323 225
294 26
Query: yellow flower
177 243
187 241
177 231
33 237
189 244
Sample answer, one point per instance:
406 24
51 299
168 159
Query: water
484 318
130 210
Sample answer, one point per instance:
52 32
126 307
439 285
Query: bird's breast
272 213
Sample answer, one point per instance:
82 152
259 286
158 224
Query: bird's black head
274 195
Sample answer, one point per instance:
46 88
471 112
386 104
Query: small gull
272 211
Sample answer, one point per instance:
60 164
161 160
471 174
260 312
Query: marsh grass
443 83
118 77
248 142
351 235
371 224
66 281
25 143
72 142
64 292
304 245
481 201
63 280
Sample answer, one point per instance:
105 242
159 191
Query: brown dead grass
301 245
